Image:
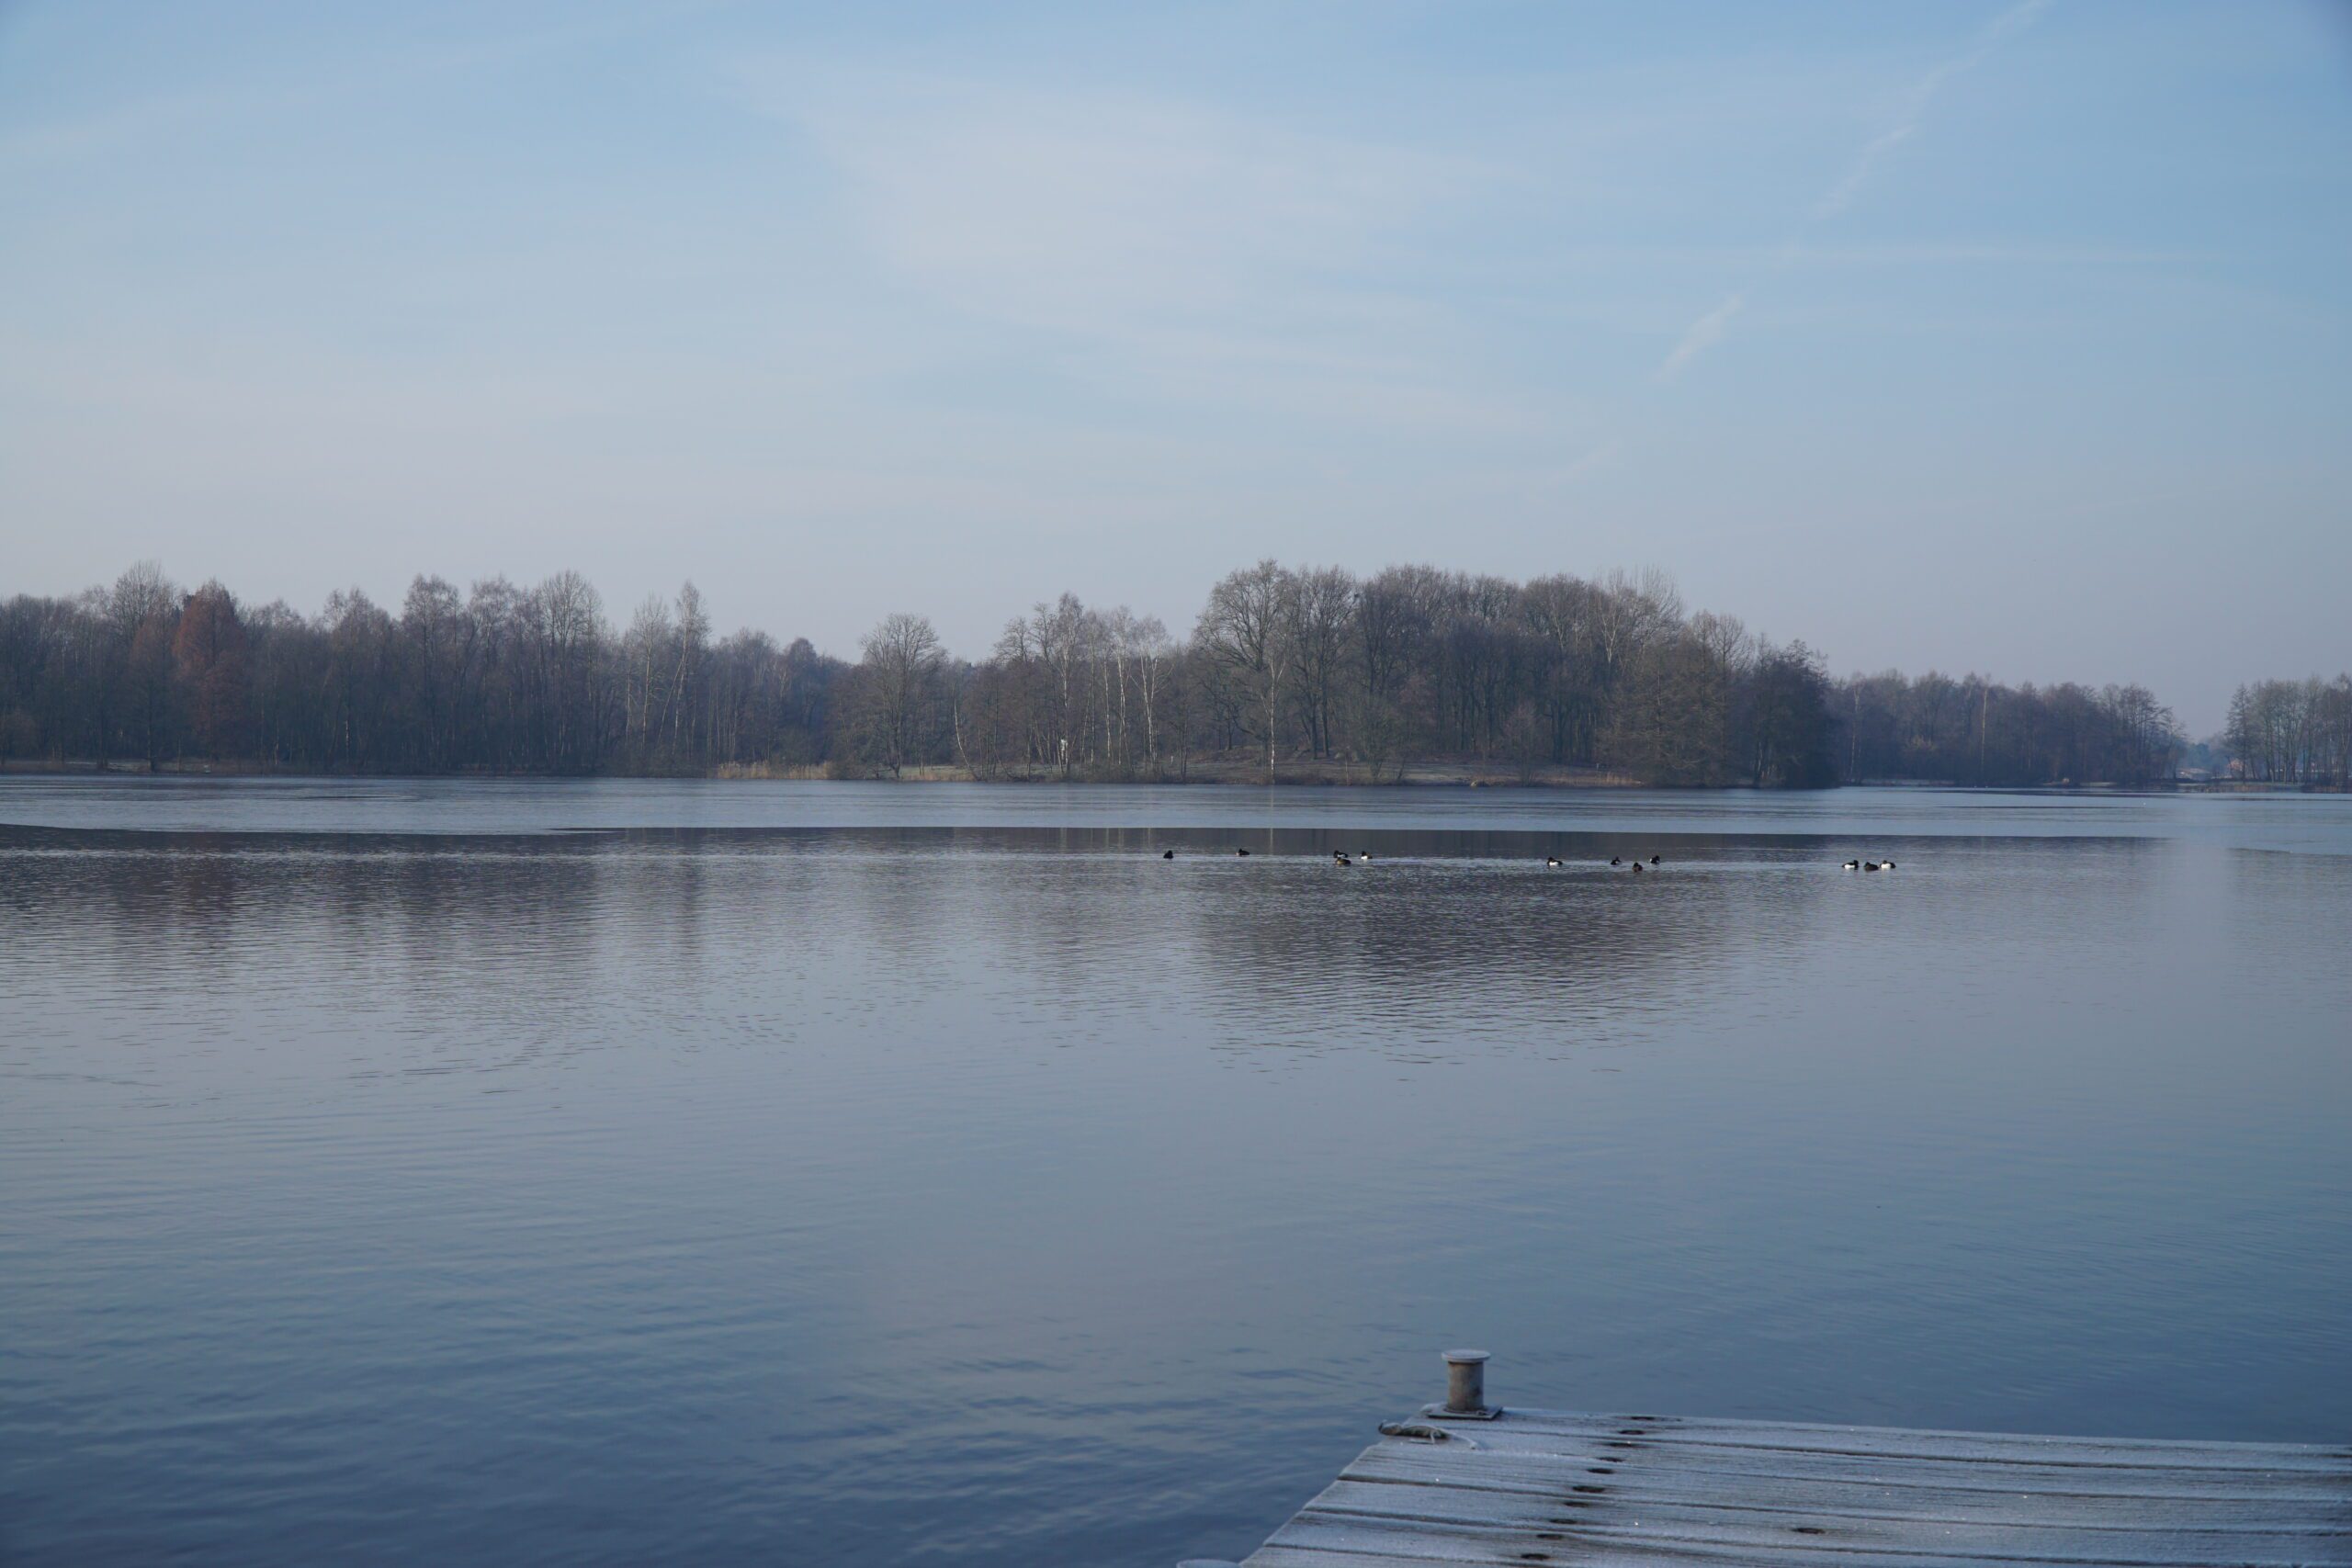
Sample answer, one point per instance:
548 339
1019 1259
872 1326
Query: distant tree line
2292 731
500 679
1410 664
1972 730
1315 671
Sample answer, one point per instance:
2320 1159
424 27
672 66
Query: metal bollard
1466 1382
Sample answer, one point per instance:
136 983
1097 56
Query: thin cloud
1699 336
1162 246
1709 329
1917 102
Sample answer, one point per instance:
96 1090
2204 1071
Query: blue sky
2012 337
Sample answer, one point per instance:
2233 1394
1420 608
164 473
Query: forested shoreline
1285 672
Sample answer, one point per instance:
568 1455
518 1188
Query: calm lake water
613 1172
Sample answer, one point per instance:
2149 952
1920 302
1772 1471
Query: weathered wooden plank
1842 1543
1358 1554
1521 1477
1908 1443
1356 1491
2157 1537
1507 1467
1505 1438
1399 1553
1532 1415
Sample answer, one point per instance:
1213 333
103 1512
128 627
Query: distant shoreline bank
1472 776
1215 773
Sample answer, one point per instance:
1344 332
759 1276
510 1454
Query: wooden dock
1462 1483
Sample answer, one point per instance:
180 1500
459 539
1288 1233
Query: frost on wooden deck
1547 1487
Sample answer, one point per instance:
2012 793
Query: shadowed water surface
398 1172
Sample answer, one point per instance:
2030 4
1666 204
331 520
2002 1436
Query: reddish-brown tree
209 658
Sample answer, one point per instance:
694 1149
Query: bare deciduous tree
898 689
1246 632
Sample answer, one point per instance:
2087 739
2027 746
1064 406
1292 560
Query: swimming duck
1637 868
1167 855
1853 865
1652 859
1340 859
1870 865
1240 852
1551 860
1616 859
1886 865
